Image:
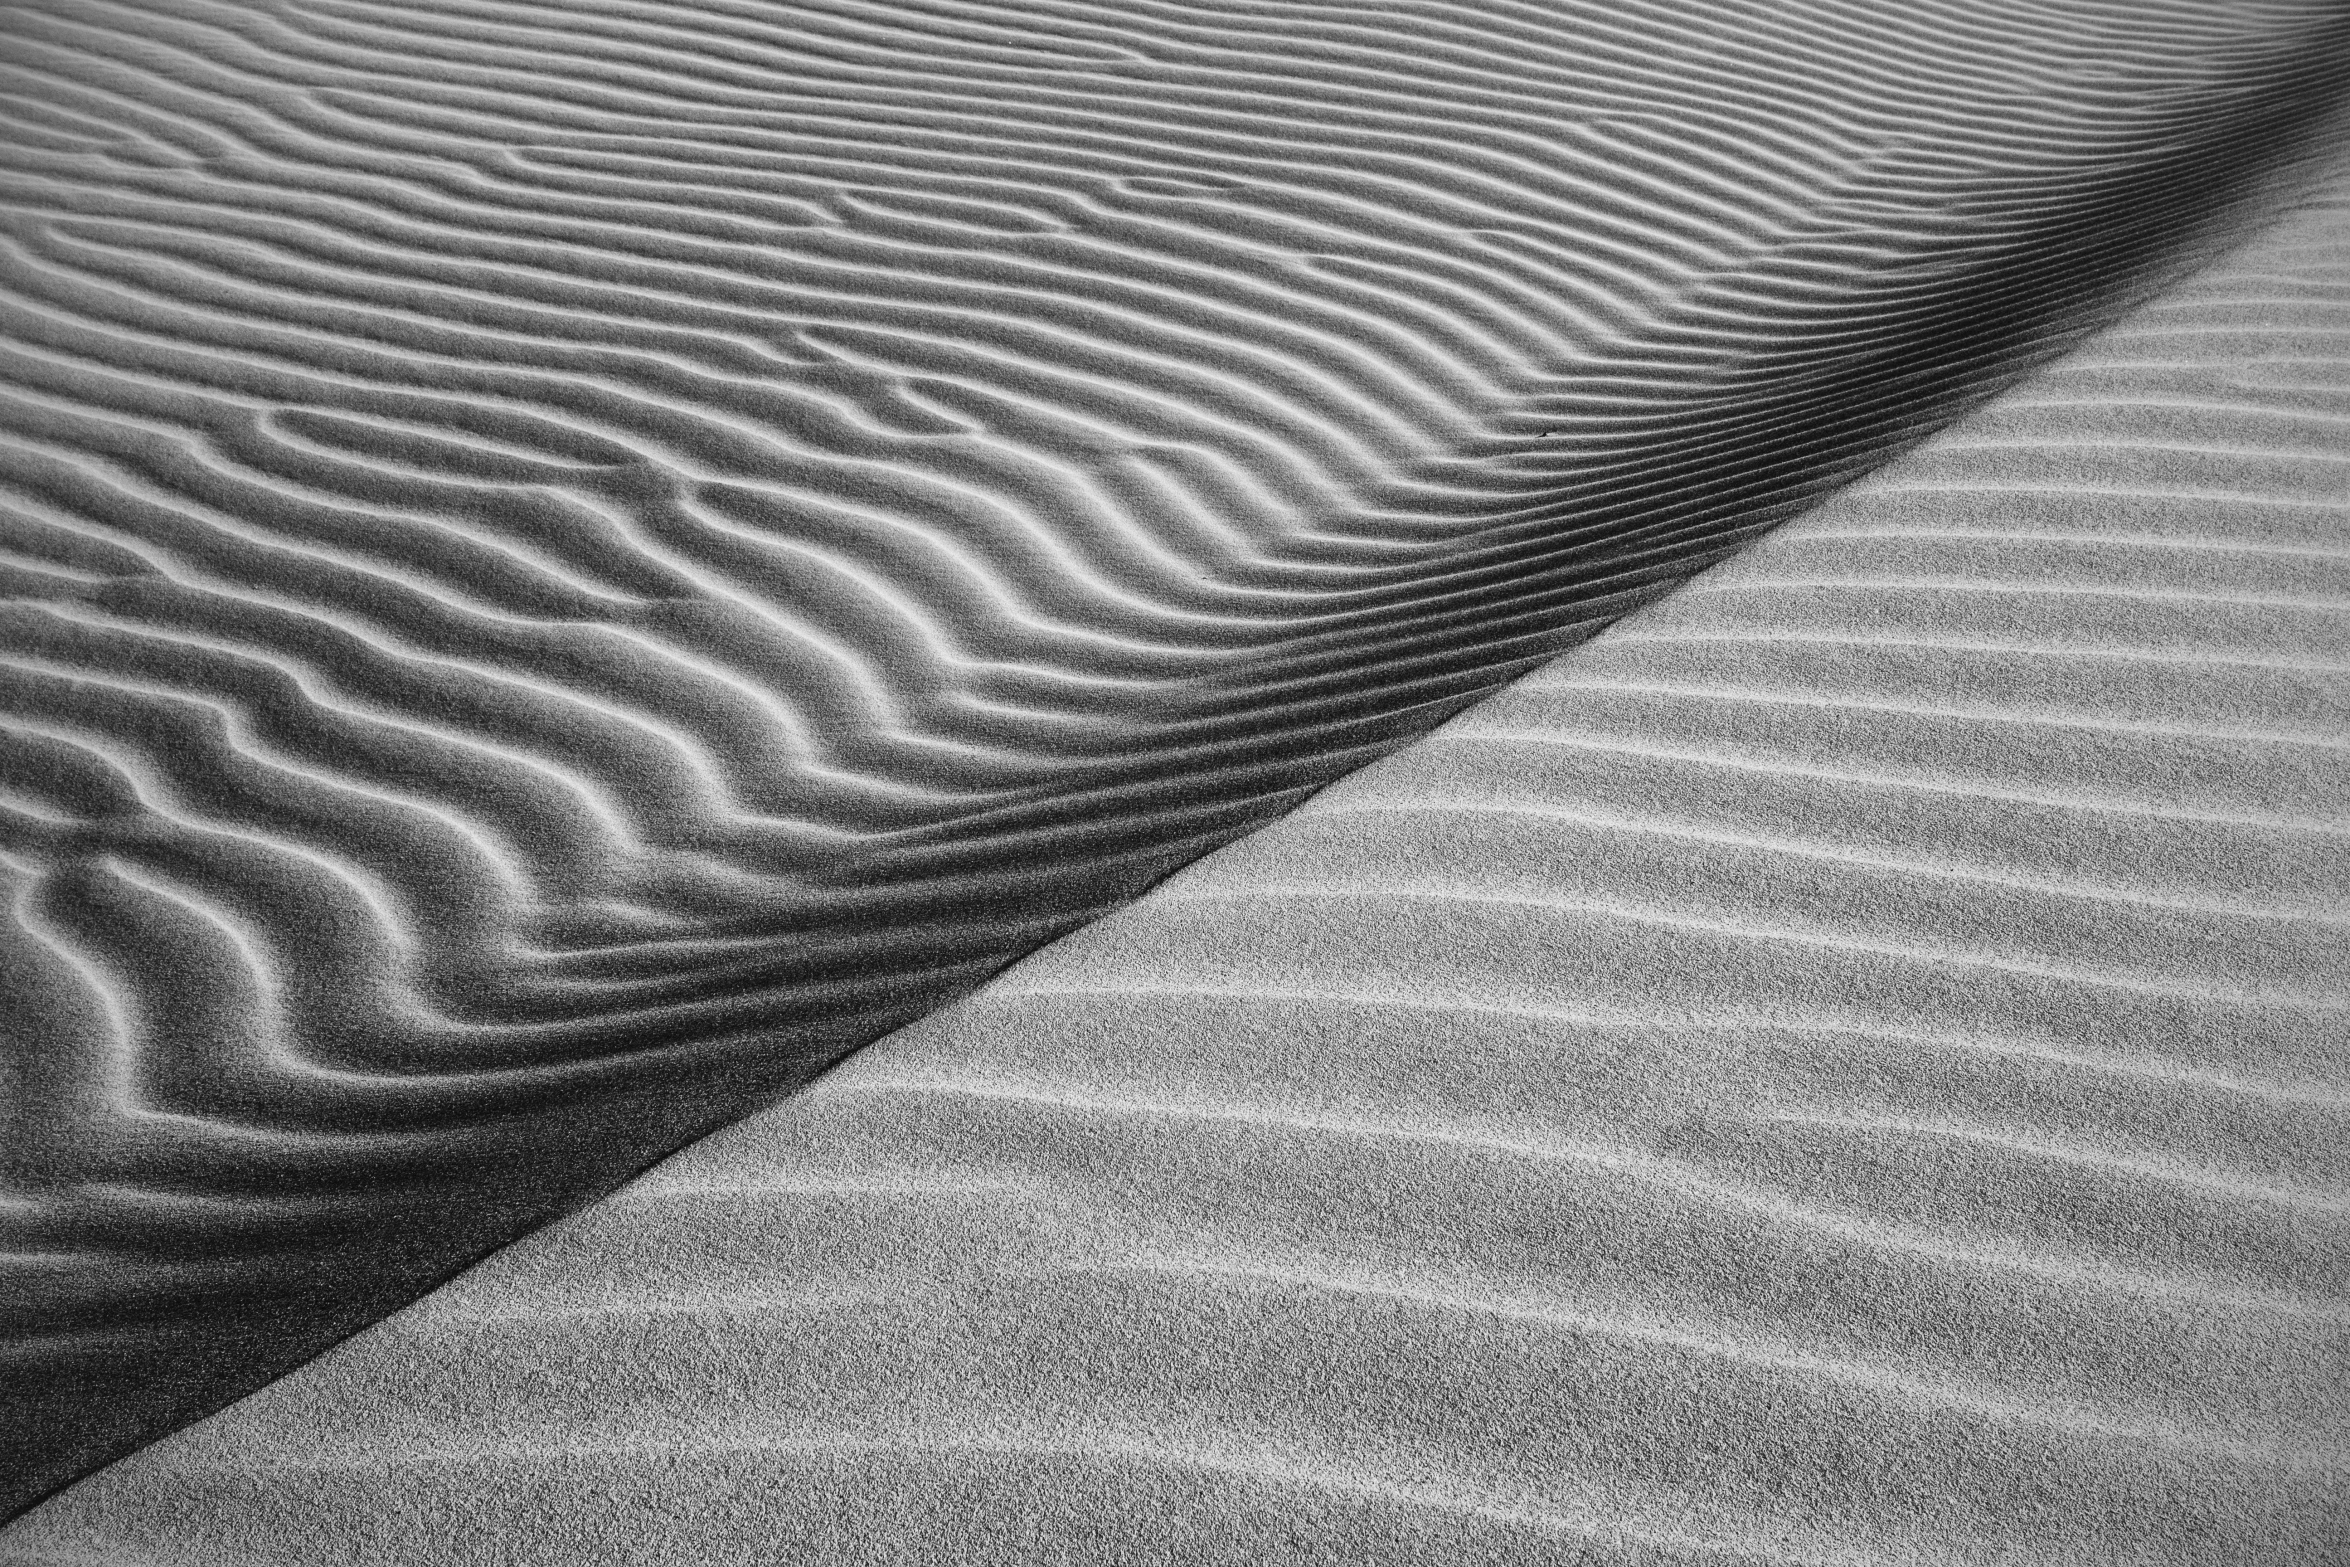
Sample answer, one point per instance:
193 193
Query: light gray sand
1849 1066
564 563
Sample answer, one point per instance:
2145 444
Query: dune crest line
566 565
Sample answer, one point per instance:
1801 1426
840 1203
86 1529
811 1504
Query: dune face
1845 1067
568 564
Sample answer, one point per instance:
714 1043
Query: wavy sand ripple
1845 1067
566 564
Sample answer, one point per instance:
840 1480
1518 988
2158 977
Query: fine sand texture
564 564
1851 1065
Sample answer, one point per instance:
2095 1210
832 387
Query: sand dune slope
561 565
1849 1067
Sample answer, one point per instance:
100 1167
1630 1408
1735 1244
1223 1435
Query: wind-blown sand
1848 1066
567 564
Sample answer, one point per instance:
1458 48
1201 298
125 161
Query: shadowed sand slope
565 564
1846 1067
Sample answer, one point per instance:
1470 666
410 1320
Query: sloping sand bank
1848 1066
567 563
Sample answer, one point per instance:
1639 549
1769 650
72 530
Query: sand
1847 1066
567 565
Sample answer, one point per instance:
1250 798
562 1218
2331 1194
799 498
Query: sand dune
1845 1067
567 564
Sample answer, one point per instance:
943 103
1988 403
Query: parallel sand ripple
567 564
1846 1067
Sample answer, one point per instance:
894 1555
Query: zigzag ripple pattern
565 564
1847 1067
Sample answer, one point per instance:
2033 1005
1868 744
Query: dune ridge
1843 1067
567 565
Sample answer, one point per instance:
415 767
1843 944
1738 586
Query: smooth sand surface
565 564
1852 1065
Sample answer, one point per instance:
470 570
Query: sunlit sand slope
565 564
1846 1067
